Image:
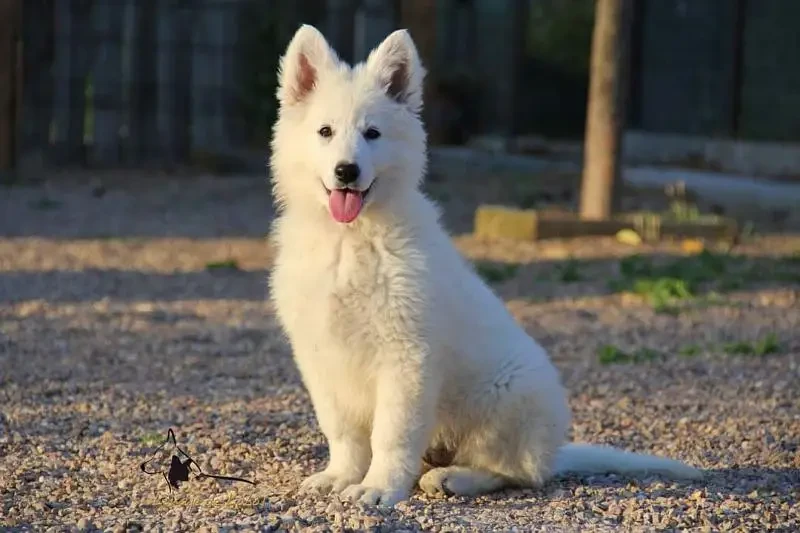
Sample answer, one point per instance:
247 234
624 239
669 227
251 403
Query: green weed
569 272
151 439
228 264
608 354
663 293
667 283
689 350
766 345
496 273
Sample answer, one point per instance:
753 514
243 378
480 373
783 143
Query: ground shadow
667 282
139 205
89 285
718 482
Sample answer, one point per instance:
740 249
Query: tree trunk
605 117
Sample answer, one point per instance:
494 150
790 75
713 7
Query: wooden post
37 55
605 116
9 36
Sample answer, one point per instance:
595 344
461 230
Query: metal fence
718 68
116 82
164 82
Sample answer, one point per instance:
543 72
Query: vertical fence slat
416 16
181 93
174 27
62 69
210 51
374 20
220 51
8 52
202 80
339 26
37 85
106 83
129 128
228 80
495 59
166 46
146 99
71 54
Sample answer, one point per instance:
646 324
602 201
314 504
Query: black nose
347 172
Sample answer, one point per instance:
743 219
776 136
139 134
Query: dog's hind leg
512 445
461 481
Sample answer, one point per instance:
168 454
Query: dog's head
347 139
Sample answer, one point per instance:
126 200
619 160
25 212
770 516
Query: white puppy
405 352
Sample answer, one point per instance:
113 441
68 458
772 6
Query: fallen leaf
692 246
630 237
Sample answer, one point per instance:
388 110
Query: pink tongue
345 205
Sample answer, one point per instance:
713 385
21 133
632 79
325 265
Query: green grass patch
690 350
684 212
608 354
663 293
496 272
766 345
228 264
665 284
569 272
151 439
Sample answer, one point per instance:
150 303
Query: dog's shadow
721 482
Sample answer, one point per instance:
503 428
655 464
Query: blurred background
113 82
169 85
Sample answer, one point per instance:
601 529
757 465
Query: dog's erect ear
307 55
396 65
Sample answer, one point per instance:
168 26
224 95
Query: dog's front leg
405 406
348 442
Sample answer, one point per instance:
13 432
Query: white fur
400 344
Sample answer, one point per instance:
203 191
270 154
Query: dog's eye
325 132
371 134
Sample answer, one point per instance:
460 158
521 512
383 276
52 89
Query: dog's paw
434 482
325 482
459 481
385 497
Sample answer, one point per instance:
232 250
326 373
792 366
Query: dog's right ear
307 55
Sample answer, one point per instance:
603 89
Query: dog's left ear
307 55
396 65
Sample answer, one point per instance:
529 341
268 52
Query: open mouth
346 204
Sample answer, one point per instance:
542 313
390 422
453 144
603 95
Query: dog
411 362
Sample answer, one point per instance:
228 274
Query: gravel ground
113 329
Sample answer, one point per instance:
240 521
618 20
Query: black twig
180 470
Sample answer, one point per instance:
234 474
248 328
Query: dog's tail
595 459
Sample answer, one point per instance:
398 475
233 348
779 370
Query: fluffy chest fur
349 293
